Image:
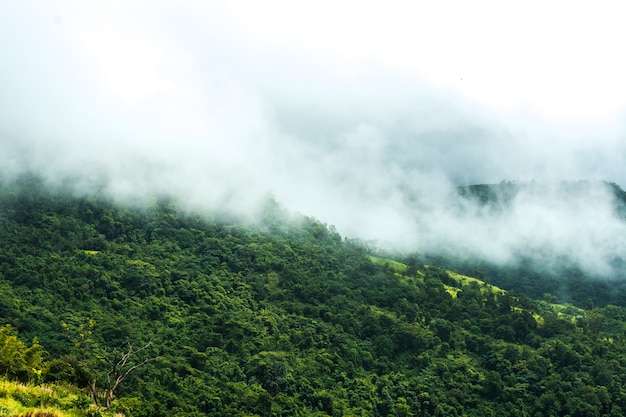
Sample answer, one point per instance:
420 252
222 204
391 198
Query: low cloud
181 100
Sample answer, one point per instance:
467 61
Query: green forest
161 311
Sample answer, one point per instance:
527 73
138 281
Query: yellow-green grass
18 399
465 280
399 269
453 291
395 266
563 311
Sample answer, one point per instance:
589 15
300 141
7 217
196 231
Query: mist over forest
216 110
321 209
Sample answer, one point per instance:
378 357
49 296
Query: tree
16 359
272 371
121 362
103 369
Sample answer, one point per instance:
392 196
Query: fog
367 119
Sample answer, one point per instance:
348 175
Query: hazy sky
363 114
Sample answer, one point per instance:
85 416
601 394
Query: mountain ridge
286 317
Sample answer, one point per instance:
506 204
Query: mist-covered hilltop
503 196
571 251
580 224
146 152
282 317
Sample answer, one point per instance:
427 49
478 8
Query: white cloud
363 115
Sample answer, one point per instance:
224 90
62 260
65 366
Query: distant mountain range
503 193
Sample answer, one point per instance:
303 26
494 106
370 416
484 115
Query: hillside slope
537 271
286 318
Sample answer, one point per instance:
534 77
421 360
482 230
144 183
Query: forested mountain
563 279
283 317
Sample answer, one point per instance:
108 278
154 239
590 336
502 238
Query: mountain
540 271
503 194
282 317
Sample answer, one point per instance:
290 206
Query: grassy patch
395 266
453 291
465 280
29 400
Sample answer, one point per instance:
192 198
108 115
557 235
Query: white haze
366 117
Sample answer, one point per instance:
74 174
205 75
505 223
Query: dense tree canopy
282 318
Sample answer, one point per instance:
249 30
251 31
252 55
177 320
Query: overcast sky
362 114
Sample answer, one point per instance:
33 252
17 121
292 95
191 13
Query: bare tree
104 369
120 364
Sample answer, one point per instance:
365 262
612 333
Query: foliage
16 359
48 400
283 318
